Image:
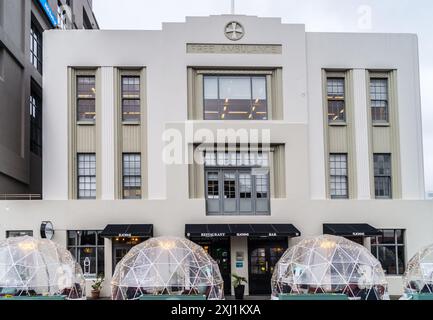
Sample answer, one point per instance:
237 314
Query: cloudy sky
408 16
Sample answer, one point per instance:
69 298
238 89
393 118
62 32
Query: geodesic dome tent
30 267
167 266
329 265
418 277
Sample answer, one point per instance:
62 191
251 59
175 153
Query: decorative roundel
234 31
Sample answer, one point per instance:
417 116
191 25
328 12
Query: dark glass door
121 247
219 250
263 256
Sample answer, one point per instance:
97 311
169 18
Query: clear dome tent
167 266
329 265
38 268
418 277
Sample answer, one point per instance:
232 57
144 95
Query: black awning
128 230
240 230
347 229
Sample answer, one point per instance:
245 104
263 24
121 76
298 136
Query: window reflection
235 98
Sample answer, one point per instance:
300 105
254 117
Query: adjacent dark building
22 23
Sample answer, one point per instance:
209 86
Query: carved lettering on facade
234 48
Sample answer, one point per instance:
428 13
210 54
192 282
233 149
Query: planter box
421 296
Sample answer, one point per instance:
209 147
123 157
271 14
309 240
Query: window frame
237 170
251 78
90 176
376 176
336 197
132 75
91 97
396 245
374 121
342 77
35 123
36 38
76 247
131 176
274 88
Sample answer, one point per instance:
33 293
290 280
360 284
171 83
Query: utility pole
233 7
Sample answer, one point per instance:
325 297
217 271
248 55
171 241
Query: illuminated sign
49 12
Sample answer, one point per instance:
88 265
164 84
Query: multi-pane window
336 100
383 176
237 183
35 124
379 100
86 94
338 181
235 98
130 98
15 234
131 176
86 176
88 249
389 249
36 47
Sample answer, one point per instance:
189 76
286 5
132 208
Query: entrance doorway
219 250
263 256
121 247
356 239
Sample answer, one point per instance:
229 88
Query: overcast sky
408 16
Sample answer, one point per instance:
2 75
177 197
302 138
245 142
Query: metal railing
20 196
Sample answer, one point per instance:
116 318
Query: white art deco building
301 134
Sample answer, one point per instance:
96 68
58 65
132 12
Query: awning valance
128 230
347 229
240 230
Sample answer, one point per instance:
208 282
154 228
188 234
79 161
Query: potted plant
238 285
97 286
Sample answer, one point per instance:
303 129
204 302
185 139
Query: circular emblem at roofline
234 31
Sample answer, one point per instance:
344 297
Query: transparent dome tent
38 268
167 266
329 265
418 277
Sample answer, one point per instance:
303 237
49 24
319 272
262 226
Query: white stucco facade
168 206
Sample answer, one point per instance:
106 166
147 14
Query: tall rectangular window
87 246
339 185
237 183
131 176
130 98
379 100
36 47
389 249
336 100
35 124
86 176
86 98
383 176
235 98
